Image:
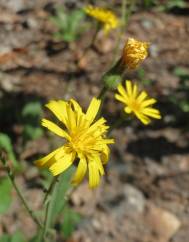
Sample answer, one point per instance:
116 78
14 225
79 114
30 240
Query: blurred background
45 53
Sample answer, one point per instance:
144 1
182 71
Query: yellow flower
137 103
107 17
134 52
85 140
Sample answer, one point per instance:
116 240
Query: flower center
135 106
83 140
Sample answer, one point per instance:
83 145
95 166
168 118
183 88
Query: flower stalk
50 189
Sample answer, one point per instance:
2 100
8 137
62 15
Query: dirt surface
145 195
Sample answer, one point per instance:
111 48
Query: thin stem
102 93
92 40
95 35
117 123
121 30
46 222
29 210
122 119
47 219
48 192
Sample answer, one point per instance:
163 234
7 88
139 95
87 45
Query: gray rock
135 200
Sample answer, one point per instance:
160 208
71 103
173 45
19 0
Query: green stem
46 222
92 40
117 123
48 192
29 210
122 119
121 30
95 35
47 219
102 93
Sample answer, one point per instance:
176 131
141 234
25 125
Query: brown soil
145 195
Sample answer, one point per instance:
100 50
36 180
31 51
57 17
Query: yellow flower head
134 52
137 103
107 17
84 139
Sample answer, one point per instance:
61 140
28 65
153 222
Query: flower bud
134 52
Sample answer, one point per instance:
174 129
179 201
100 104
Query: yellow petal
142 96
94 176
143 118
61 153
105 154
152 112
107 28
59 110
71 118
81 121
48 159
80 172
121 98
135 91
122 91
129 88
94 126
54 128
93 109
77 107
62 164
108 141
128 109
148 102
99 164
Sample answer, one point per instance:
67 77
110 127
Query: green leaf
31 114
68 24
60 191
70 220
5 143
62 17
184 105
111 81
176 3
69 37
5 238
58 195
34 239
32 109
181 72
5 191
17 237
31 132
74 21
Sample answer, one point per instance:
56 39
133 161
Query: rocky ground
145 196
